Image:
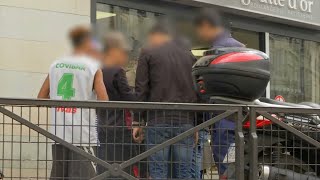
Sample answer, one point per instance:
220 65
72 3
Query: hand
196 139
137 134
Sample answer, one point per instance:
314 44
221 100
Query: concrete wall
32 35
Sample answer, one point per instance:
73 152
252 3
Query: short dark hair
161 27
78 34
209 15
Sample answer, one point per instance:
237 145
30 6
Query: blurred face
90 48
116 56
157 39
95 54
207 32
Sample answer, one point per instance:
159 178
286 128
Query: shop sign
295 5
303 11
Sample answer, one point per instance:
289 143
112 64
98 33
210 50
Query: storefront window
133 23
295 65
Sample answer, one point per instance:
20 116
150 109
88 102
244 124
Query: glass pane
248 38
295 65
133 23
136 23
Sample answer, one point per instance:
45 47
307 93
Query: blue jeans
181 152
198 154
223 136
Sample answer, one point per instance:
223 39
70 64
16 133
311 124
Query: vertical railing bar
29 120
89 138
54 161
38 146
64 169
253 146
46 167
239 146
20 158
11 175
3 144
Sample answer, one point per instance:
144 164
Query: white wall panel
80 7
33 33
29 56
20 84
37 25
83 7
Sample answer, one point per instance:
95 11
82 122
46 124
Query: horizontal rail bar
117 105
291 129
128 176
292 110
150 105
101 176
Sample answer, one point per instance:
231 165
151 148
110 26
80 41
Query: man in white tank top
75 77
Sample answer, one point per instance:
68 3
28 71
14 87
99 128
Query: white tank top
72 78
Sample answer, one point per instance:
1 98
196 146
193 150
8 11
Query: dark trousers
67 164
223 137
116 146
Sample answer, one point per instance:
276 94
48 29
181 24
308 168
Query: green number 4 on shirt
65 86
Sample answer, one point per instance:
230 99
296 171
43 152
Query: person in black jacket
164 75
113 126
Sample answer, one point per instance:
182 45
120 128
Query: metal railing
289 147
35 146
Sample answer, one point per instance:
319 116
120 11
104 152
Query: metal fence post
253 141
239 146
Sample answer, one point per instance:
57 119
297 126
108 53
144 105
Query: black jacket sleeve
142 88
121 83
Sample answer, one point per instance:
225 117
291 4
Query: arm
126 93
99 87
142 90
142 78
45 89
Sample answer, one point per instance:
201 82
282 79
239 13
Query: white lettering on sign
245 2
302 5
292 4
281 3
310 3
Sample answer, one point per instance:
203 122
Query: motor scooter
240 76
280 154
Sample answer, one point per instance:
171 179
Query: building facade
33 33
288 30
